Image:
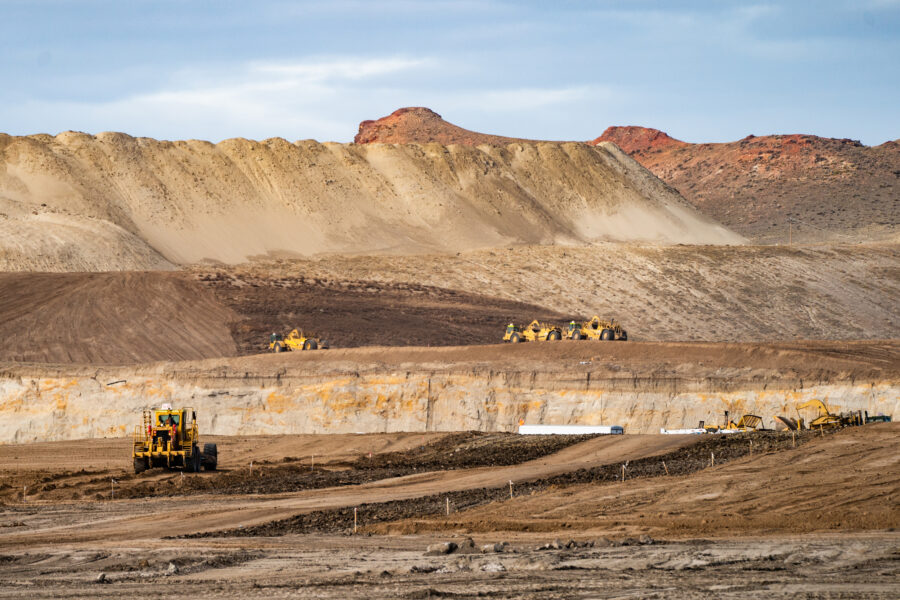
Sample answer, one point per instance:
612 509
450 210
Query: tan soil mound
110 318
191 201
47 241
832 189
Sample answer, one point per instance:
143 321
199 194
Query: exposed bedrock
107 403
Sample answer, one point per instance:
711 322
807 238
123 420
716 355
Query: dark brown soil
363 313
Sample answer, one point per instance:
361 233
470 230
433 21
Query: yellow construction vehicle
825 418
296 340
745 423
535 331
169 438
596 329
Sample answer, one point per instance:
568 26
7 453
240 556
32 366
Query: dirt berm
111 201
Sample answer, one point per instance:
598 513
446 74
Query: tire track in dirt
154 518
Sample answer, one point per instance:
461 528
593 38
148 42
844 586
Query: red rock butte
633 139
420 125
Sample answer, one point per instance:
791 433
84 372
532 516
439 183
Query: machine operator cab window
276 337
164 425
168 420
511 328
572 326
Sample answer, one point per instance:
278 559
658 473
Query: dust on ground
592 566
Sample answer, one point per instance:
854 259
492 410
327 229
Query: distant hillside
831 189
837 190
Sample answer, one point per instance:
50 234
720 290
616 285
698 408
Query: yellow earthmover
535 331
596 329
296 340
825 418
745 423
169 438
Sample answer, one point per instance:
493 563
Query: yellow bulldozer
296 340
596 329
169 438
533 332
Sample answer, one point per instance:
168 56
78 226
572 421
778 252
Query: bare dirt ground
821 566
666 293
110 318
364 313
657 293
813 520
812 361
122 318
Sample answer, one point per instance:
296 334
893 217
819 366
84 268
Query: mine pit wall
108 403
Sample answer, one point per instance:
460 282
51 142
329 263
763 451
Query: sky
709 71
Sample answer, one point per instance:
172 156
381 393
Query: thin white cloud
258 99
321 99
335 70
526 99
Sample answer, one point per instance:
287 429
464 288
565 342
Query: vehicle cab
510 330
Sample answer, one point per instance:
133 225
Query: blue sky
214 69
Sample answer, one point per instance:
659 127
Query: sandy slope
191 200
44 241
